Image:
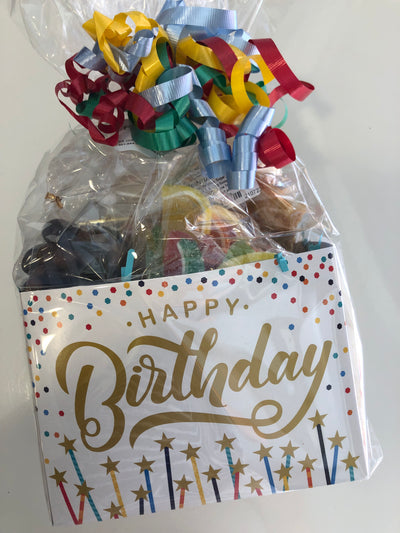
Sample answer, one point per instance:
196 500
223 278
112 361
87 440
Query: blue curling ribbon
127 57
244 158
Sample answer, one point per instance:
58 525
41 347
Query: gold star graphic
114 510
225 443
140 494
336 440
283 471
59 476
145 465
289 449
317 420
307 463
83 490
254 484
212 473
182 483
165 442
111 466
264 452
238 467
68 445
190 452
350 461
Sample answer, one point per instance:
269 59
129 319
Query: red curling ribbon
289 82
275 149
223 51
143 111
80 84
229 129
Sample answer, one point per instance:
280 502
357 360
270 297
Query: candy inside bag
91 205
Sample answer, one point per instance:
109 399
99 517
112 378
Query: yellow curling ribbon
152 67
118 33
224 106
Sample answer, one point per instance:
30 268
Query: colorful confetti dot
335 355
126 285
222 272
240 272
79 292
174 288
95 292
339 326
59 324
99 313
41 310
342 373
46 433
274 280
123 303
294 273
293 300
305 309
215 283
61 413
90 306
200 288
113 290
328 387
128 293
45 412
331 312
250 278
285 286
274 296
299 260
317 320
189 281
265 274
306 267
63 295
164 284
345 349
258 265
129 324
349 412
291 327
107 300
69 299
204 280
88 327
232 281
48 298
347 390
160 294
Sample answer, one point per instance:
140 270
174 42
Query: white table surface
348 135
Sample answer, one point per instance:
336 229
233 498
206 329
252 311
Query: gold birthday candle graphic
111 468
226 444
336 444
60 480
70 449
145 466
284 474
265 454
351 464
165 445
83 492
237 469
141 495
191 453
114 510
255 485
288 452
212 475
308 465
182 486
318 422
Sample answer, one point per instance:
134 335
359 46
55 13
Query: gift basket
188 324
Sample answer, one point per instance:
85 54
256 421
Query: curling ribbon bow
183 76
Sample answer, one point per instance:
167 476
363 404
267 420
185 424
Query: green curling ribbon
286 111
162 53
183 134
86 108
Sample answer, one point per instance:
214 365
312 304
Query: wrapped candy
180 280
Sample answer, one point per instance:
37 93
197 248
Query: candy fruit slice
181 254
181 205
222 224
247 258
